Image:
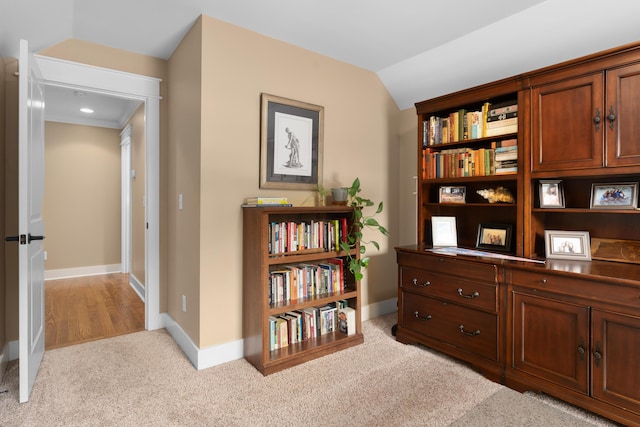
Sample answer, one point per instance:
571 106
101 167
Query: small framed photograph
551 193
443 229
495 237
453 195
623 195
573 245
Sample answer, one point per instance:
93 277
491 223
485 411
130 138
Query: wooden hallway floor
83 309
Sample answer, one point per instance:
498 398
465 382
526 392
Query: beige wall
360 141
138 189
81 206
183 234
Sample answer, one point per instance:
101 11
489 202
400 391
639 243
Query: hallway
83 309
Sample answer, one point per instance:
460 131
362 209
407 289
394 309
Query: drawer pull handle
417 315
476 294
469 334
543 281
421 285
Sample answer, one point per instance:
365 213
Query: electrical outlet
184 303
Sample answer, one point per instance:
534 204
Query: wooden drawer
450 287
468 329
450 266
590 290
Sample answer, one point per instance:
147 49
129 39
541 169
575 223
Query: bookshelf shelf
306 276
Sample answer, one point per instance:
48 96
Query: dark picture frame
291 143
574 245
551 193
452 195
614 195
495 237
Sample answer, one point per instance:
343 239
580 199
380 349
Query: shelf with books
284 281
483 165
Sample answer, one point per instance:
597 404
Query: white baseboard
137 286
203 358
227 352
93 270
4 359
379 309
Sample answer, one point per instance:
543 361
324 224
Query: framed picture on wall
291 142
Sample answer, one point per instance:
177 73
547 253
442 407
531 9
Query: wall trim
234 350
13 350
379 309
93 270
4 359
137 286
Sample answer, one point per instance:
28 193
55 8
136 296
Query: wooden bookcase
259 263
476 210
567 327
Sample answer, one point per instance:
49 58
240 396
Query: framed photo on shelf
495 237
551 193
443 231
572 245
452 195
623 195
291 142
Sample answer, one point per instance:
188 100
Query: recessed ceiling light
86 110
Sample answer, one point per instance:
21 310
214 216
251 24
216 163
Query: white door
30 224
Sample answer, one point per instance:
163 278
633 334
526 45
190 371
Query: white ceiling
419 48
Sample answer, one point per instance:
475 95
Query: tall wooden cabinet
565 327
267 272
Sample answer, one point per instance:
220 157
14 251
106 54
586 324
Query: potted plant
361 220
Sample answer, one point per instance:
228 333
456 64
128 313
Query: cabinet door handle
421 285
596 119
611 117
581 353
417 316
476 294
597 355
470 334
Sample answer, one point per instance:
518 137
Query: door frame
125 199
70 74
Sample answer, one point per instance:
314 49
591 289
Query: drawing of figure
294 145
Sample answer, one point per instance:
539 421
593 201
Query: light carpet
144 379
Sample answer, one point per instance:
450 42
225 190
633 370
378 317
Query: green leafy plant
362 220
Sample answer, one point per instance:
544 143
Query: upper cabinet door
567 124
623 116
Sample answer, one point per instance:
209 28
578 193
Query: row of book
464 162
291 236
490 120
310 323
301 281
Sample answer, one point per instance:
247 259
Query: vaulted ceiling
419 48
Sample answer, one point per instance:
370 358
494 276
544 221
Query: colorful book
266 201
